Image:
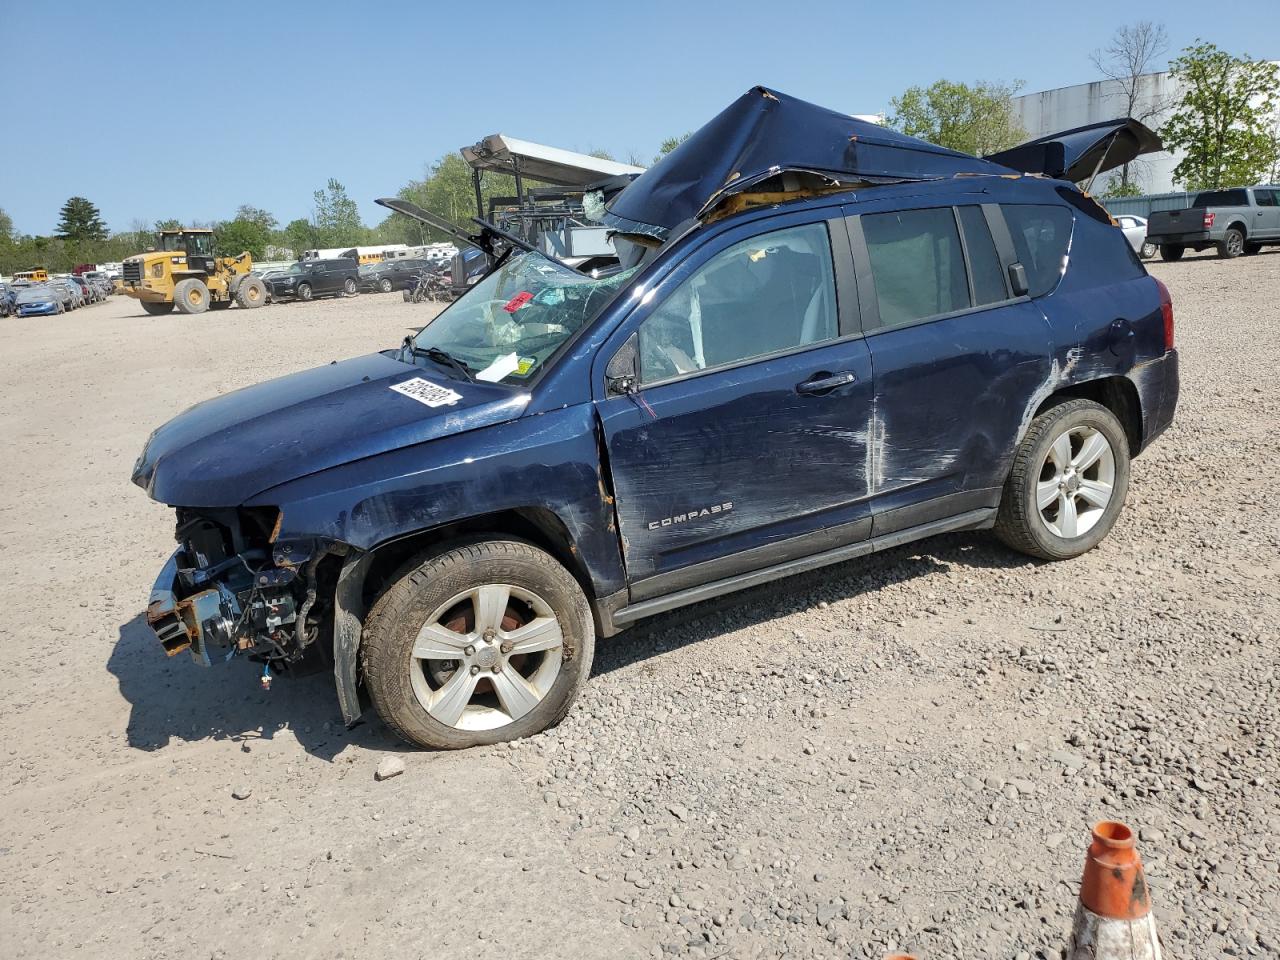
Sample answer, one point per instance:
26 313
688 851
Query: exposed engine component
223 592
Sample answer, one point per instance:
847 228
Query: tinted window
1041 238
984 264
766 294
917 264
1221 198
1265 198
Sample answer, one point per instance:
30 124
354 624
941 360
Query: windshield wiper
441 357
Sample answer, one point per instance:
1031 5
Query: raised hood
764 133
1082 153
224 451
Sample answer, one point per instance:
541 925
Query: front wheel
478 643
304 291
1172 251
191 296
384 285
1067 484
251 293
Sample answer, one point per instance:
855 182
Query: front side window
771 293
917 264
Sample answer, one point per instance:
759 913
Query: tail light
1208 219
1166 311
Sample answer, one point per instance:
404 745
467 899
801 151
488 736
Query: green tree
299 235
337 218
237 236
447 191
80 221
976 119
256 215
1222 123
168 225
6 227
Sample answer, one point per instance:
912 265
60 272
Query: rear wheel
1068 482
304 291
1172 251
478 643
349 287
191 296
252 292
1231 245
157 309
1148 251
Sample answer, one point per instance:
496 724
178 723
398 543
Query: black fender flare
348 625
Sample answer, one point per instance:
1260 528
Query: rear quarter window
1041 235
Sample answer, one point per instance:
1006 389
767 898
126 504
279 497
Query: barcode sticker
424 391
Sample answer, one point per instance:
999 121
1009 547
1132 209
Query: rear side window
1266 198
988 278
1221 198
1041 235
917 264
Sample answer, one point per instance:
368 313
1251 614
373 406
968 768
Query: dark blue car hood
226 450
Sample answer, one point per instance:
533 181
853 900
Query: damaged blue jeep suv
821 339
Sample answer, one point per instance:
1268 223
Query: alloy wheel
486 657
1077 480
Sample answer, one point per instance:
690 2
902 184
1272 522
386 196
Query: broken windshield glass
506 327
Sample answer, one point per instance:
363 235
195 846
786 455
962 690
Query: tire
157 309
1037 468
349 287
1171 251
191 296
408 295
304 291
384 285
1232 244
436 589
251 293
1251 248
1147 251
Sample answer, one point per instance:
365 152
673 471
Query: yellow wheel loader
182 271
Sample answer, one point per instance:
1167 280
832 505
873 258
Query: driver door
743 442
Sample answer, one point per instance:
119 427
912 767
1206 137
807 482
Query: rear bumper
1186 239
1157 384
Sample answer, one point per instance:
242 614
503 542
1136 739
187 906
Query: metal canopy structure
522 158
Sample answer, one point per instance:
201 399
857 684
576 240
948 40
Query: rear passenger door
957 358
1267 219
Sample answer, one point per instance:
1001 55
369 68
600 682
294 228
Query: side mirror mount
1018 280
623 370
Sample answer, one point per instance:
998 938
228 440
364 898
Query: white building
1053 110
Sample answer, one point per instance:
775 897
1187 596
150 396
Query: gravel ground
904 751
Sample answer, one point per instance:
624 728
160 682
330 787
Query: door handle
824 382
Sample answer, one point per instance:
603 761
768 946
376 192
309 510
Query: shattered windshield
507 326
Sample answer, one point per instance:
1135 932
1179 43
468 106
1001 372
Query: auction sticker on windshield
424 391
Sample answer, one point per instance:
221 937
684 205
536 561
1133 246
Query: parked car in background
315 278
1235 221
101 281
393 274
7 294
88 292
1135 231
557 455
40 299
67 292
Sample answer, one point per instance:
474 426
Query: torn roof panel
763 133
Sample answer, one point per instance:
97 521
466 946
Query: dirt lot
903 751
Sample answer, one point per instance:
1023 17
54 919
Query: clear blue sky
155 110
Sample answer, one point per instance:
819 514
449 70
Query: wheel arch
366 574
1239 225
1118 394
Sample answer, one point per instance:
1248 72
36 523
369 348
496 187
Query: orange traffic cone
1113 918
